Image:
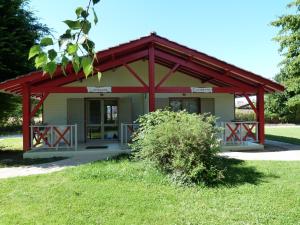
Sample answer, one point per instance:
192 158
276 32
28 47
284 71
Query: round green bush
181 144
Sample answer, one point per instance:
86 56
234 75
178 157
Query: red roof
167 53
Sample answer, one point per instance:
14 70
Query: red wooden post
151 68
261 115
26 116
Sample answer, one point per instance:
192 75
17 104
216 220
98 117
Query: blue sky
236 31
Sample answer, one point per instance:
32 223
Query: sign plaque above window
99 89
201 90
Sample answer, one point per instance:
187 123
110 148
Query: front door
102 119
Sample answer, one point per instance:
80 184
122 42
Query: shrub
181 144
244 115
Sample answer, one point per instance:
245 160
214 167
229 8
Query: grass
124 192
11 154
284 134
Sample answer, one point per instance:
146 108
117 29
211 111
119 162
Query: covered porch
157 70
61 141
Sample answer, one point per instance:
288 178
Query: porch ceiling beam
250 103
168 74
214 90
207 80
38 106
85 90
103 67
202 69
133 73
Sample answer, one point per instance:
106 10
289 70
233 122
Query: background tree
19 30
287 105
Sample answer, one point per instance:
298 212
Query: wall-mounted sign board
99 89
201 90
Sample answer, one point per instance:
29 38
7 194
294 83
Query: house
138 77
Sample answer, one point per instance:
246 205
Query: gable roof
167 53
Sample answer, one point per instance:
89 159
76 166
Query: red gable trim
111 57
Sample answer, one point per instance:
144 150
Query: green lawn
11 154
284 134
123 192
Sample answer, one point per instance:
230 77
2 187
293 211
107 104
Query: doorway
102 120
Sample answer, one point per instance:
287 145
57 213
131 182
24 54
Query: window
191 105
208 105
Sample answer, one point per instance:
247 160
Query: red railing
54 136
238 132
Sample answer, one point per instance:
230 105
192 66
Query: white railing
232 132
127 130
54 136
238 132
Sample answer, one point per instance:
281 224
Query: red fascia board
165 44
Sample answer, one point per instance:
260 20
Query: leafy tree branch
74 45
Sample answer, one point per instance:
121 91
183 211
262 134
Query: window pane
94 133
94 112
175 105
191 105
111 111
110 132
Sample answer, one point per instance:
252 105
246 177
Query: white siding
55 106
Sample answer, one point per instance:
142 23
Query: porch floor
114 149
245 146
111 150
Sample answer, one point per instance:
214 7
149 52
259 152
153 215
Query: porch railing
232 132
127 130
54 136
238 132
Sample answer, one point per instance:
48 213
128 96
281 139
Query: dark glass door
102 119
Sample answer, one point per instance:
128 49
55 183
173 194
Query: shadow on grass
290 140
236 173
11 158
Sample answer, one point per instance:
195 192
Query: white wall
55 106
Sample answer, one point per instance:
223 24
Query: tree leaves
74 45
72 49
76 64
73 24
46 41
285 104
95 17
99 76
88 45
50 68
34 50
86 26
41 60
87 65
52 54
95 1
78 11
